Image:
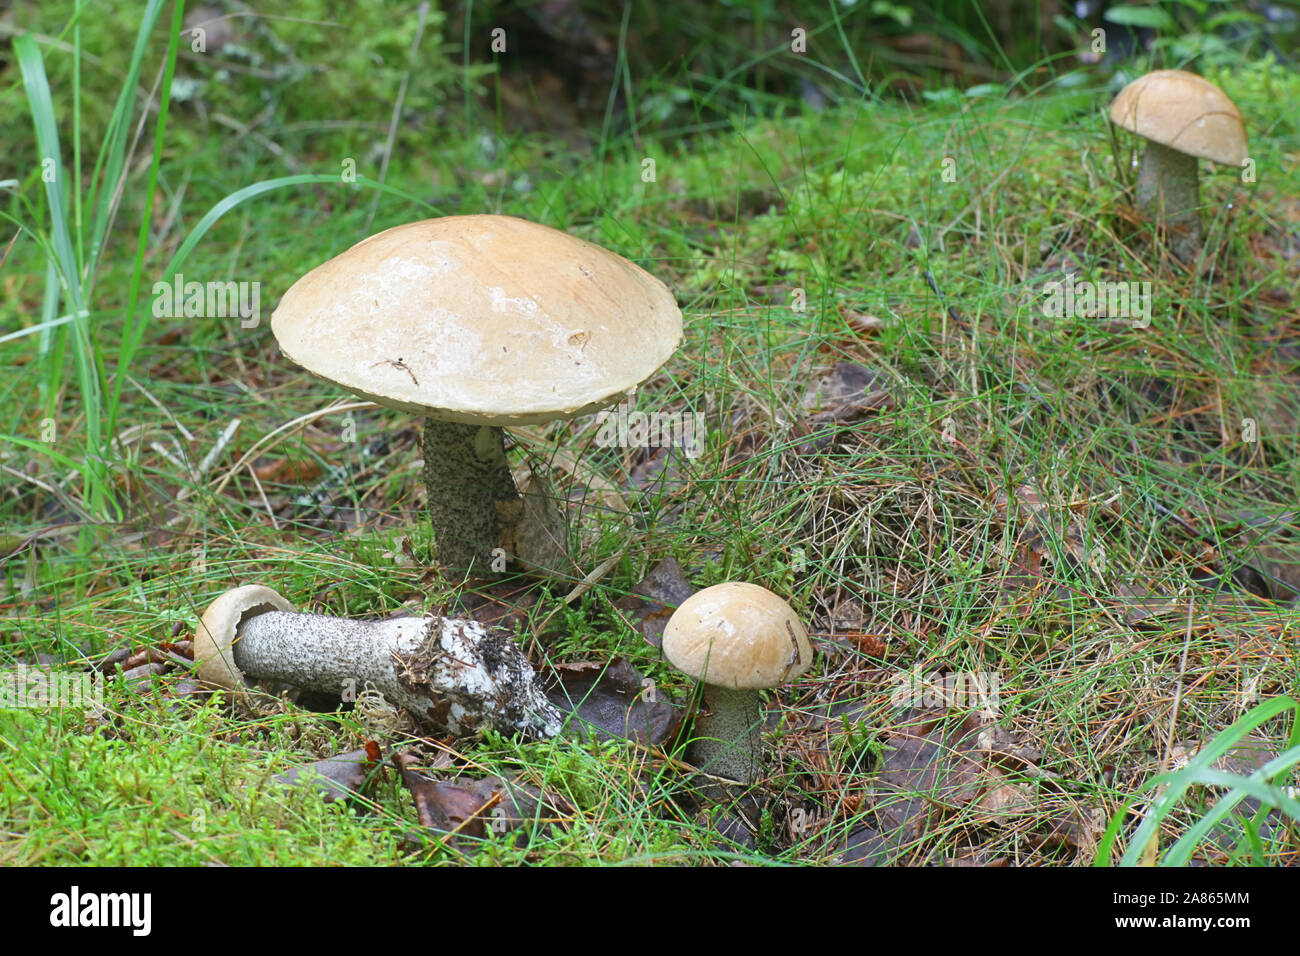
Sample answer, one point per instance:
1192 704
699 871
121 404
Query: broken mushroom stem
457 676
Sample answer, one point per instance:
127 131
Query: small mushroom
738 639
475 323
1184 118
458 676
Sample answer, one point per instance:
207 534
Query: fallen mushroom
1184 118
736 638
457 676
479 322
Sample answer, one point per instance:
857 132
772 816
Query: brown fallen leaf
849 393
613 701
475 809
287 471
1006 798
507 603
143 672
654 599
932 768
336 778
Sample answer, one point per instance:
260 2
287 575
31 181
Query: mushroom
1184 118
478 322
458 676
736 638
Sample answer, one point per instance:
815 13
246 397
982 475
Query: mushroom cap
486 320
737 635
215 635
1185 112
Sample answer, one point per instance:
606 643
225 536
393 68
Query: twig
952 312
1178 692
185 432
215 451
272 147
261 492
585 585
54 490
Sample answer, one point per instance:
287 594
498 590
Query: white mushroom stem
1168 191
729 738
455 675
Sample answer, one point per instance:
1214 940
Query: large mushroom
475 323
1184 118
737 639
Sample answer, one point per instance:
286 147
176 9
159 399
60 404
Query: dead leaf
849 393
1139 606
507 604
287 471
478 808
654 599
1006 798
534 529
614 701
335 778
931 769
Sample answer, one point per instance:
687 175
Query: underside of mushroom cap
215 635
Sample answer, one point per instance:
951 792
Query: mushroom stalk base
466 476
1168 191
729 739
455 675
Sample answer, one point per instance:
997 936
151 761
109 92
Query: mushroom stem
466 475
456 675
1168 191
729 738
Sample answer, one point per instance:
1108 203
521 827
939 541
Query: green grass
912 538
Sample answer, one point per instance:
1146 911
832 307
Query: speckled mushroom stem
467 476
729 738
455 675
1168 191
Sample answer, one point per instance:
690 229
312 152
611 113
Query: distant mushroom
455 675
1184 118
478 322
736 638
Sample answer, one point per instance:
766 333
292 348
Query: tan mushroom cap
737 635
215 635
480 319
1185 112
